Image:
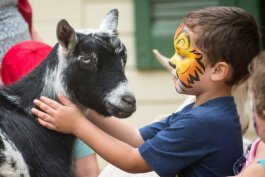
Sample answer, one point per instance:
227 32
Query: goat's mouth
121 111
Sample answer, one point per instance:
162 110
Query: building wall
153 89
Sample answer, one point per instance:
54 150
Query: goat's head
94 67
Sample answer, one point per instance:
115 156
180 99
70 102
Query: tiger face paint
187 61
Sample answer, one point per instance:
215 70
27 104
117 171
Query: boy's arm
68 119
117 128
111 149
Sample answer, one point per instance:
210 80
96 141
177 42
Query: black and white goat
87 67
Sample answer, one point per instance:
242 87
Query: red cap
21 59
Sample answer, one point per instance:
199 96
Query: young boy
213 49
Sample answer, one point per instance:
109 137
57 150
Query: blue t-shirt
204 141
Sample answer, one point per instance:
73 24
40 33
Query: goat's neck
45 80
53 78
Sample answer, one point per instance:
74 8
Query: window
157 20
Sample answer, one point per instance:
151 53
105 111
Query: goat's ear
66 36
110 22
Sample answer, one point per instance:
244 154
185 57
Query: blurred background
143 25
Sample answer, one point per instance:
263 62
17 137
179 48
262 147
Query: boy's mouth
178 84
174 74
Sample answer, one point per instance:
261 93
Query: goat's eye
85 59
88 61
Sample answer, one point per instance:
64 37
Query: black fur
46 152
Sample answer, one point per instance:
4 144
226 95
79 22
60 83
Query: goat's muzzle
125 108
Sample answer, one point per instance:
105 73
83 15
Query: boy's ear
221 71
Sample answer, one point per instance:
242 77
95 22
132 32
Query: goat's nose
129 99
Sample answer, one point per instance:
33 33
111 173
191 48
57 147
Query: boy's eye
180 53
182 56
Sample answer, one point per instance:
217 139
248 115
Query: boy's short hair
257 69
227 34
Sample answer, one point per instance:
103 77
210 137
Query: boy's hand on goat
64 117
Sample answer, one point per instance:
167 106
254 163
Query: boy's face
188 62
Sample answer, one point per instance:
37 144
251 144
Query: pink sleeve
252 153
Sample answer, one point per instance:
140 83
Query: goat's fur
86 66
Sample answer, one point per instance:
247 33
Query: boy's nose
173 61
172 65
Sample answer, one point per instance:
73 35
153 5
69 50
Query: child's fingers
47 124
44 107
51 103
43 116
64 100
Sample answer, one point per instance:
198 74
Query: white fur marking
12 155
114 97
87 31
53 82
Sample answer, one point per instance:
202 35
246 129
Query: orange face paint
187 60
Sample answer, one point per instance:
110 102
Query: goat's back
44 152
